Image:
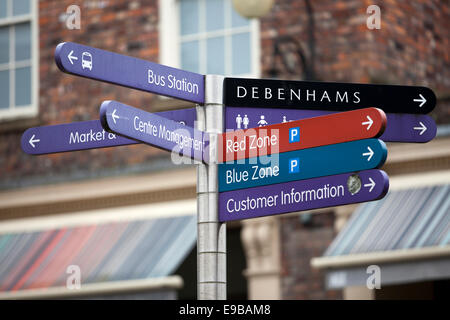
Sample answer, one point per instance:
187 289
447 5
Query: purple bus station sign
86 135
303 195
400 127
130 72
154 130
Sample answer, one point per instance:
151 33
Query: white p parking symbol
294 134
294 165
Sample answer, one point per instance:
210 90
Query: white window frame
169 38
32 109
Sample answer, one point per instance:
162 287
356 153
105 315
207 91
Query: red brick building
131 183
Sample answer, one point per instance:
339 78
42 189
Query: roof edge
99 288
380 257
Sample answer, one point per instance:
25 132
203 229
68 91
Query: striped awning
116 251
404 219
407 225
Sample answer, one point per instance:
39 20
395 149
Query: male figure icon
238 121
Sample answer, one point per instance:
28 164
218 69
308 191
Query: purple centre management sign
154 130
85 135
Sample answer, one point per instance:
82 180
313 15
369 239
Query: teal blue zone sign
302 164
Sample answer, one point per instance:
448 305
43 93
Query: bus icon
86 61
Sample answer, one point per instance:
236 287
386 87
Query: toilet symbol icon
245 122
238 121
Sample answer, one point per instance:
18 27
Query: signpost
130 72
85 135
302 164
400 127
154 130
266 93
302 134
283 165
303 195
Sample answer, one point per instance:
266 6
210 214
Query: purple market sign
154 130
303 195
86 135
130 72
70 137
400 127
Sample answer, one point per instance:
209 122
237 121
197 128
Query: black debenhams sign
260 93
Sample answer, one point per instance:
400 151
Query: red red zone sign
302 134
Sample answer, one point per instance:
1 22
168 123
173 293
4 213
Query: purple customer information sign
130 72
303 195
84 135
400 127
154 130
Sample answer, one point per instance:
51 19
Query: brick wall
411 48
300 242
127 27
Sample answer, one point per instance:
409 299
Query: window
208 37
18 58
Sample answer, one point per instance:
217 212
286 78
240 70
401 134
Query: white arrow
422 99
114 116
422 127
32 141
370 154
371 185
370 122
71 57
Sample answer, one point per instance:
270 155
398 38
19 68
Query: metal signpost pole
211 235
